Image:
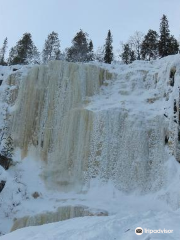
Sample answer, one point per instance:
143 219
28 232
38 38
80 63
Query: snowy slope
111 121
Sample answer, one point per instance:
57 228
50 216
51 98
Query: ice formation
51 115
62 213
122 141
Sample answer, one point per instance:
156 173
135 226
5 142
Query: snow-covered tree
25 52
12 56
108 49
149 49
79 51
8 148
51 49
99 55
3 52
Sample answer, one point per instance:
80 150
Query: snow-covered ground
116 227
142 90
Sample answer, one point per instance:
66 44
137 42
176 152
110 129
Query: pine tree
51 49
128 55
108 49
79 50
25 52
3 52
149 49
164 37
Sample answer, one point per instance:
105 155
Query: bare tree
135 43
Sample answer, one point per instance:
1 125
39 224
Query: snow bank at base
104 228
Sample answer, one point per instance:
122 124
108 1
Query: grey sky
123 17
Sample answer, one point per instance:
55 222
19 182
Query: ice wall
50 115
86 122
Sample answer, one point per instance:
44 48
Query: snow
103 228
127 114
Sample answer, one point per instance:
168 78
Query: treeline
151 46
139 47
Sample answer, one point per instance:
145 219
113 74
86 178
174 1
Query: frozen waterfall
89 122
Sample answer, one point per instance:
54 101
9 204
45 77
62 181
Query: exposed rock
172 76
5 162
36 195
2 184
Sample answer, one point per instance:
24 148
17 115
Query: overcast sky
122 17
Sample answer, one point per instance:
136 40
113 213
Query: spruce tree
3 52
79 50
90 46
168 45
126 54
25 52
164 37
149 49
51 49
108 49
90 53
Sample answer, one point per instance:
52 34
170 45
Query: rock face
2 184
62 213
85 123
5 162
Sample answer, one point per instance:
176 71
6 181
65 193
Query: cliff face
85 122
